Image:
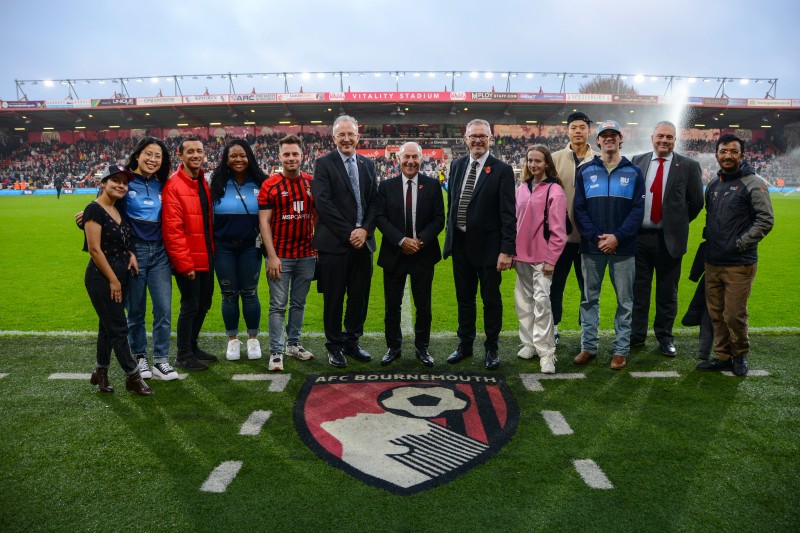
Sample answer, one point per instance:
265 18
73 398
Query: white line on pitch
221 476
655 374
531 381
405 311
752 373
557 423
3 375
591 474
255 422
278 381
69 375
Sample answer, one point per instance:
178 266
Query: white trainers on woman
234 350
253 349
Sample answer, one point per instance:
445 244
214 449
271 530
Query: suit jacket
491 215
392 221
683 199
335 202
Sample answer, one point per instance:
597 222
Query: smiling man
410 217
609 203
481 237
345 195
738 216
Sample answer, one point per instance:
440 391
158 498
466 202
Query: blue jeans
155 275
238 267
296 276
622 270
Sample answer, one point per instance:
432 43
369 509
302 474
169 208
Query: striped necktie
352 173
466 196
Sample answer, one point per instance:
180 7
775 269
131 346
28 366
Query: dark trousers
394 281
348 274
112 333
467 274
571 256
652 255
196 297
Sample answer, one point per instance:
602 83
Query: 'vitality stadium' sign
405 432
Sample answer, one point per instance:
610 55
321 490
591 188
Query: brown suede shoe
584 357
618 362
136 383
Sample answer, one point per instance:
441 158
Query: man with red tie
673 198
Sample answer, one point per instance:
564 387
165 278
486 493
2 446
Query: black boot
100 378
136 383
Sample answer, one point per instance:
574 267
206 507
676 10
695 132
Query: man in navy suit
345 195
481 237
662 238
410 217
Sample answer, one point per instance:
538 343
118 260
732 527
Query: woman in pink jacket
541 236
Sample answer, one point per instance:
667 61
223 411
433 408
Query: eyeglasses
346 135
733 152
478 137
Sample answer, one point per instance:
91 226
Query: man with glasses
481 237
738 216
345 195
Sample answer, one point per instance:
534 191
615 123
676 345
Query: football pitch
655 447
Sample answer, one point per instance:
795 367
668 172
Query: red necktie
656 188
409 208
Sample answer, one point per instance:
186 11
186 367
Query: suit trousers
394 281
652 255
467 273
571 256
112 333
348 274
196 297
727 291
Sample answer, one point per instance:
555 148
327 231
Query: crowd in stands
38 165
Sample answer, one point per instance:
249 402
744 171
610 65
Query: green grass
42 268
702 452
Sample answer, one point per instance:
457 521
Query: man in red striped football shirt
286 217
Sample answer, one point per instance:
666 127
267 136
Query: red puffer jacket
182 222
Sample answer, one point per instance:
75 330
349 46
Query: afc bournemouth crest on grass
405 432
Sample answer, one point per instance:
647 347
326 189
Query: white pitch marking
591 474
405 312
3 375
655 374
531 381
255 422
557 423
219 478
279 381
752 373
69 375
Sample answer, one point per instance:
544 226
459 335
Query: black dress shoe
202 355
668 349
424 357
391 355
190 363
337 359
714 365
459 355
740 366
492 359
358 353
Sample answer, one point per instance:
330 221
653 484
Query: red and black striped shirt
291 203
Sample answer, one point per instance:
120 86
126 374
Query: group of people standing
576 209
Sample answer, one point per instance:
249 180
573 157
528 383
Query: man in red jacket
186 214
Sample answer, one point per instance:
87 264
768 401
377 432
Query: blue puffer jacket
609 204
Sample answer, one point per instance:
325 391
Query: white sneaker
144 368
548 364
296 350
276 361
526 352
164 372
234 350
253 349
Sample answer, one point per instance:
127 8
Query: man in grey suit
674 187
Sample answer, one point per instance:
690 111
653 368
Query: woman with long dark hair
541 236
235 184
108 241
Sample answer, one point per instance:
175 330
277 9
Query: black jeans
570 257
196 297
112 333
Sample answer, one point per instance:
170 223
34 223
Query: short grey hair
666 123
479 122
344 118
410 143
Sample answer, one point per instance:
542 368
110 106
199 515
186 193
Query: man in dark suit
674 197
481 235
345 195
410 217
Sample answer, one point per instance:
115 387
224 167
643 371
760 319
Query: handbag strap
239 192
